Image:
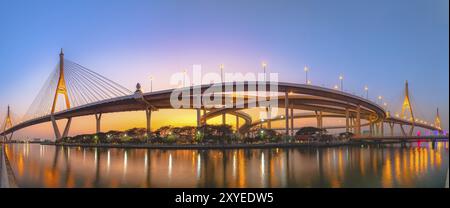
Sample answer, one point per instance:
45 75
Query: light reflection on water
418 165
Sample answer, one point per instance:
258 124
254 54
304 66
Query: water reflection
418 165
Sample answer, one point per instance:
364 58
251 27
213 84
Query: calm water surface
417 165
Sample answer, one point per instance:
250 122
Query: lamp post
380 99
151 84
306 69
184 77
264 65
367 92
342 82
221 72
221 79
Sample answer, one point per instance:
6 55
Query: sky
378 43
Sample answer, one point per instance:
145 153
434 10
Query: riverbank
227 146
7 179
446 183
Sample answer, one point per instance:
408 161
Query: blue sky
378 43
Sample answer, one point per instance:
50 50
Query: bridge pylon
61 88
437 120
407 107
8 124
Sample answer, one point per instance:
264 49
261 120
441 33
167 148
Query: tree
309 131
216 133
263 134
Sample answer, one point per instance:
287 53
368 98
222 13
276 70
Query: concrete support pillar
352 124
373 129
98 118
286 111
237 123
347 122
377 129
204 113
66 130
292 119
358 120
148 115
198 118
269 118
391 125
224 120
55 127
411 130
10 137
319 119
403 130
382 128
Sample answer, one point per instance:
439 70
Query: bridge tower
407 107
8 123
437 120
61 88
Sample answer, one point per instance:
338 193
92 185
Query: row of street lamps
264 66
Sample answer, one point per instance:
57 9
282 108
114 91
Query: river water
420 164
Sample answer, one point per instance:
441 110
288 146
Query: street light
336 87
306 69
184 77
221 72
221 79
151 84
380 99
367 91
342 82
264 65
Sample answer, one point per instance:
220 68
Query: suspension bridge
85 92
